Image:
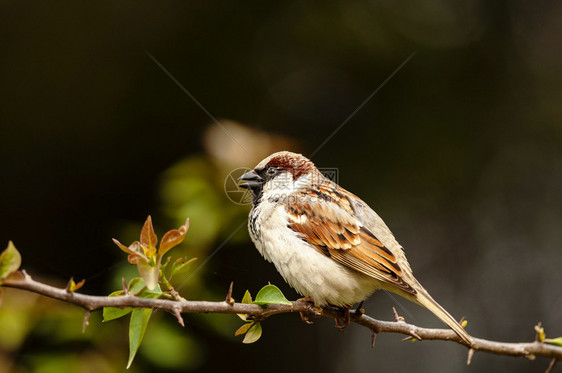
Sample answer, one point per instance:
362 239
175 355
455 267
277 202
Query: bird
326 243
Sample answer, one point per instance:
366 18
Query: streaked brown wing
334 231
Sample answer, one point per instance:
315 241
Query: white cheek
303 182
284 183
281 185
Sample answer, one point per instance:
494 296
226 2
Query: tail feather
424 299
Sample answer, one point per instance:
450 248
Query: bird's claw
342 324
312 309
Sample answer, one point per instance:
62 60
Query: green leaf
112 313
253 334
137 327
270 294
10 260
149 274
247 297
246 300
554 341
180 265
136 286
243 329
151 294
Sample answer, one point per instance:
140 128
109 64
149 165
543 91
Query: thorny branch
91 303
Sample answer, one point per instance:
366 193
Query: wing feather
334 230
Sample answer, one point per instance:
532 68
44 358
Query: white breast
308 271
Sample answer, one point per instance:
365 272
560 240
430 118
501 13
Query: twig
551 365
397 318
92 302
469 357
373 337
177 314
86 321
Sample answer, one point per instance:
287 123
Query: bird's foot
313 309
344 323
304 317
306 299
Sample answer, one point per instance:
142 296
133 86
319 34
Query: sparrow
328 244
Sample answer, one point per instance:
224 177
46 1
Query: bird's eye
272 171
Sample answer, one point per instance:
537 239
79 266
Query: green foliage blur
460 152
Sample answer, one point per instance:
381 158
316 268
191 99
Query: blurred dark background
460 153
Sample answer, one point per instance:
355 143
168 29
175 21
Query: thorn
530 357
125 288
373 336
86 321
359 310
25 274
469 357
414 334
396 317
177 314
551 365
229 298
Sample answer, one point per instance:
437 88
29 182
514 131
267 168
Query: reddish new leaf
148 236
243 329
121 246
134 258
173 238
129 250
72 286
135 252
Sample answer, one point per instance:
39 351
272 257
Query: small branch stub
551 365
86 321
178 316
469 357
397 318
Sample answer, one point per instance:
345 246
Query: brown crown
297 164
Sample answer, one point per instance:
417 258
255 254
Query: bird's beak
254 181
